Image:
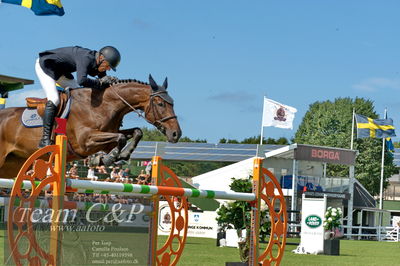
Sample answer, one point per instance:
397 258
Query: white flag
277 115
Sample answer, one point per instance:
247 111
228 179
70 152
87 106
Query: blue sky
222 57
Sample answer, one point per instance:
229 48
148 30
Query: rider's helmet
111 55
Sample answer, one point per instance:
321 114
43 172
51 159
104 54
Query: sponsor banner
201 224
324 154
312 229
332 195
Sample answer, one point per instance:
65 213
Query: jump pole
100 187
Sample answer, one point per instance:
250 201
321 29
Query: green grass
203 251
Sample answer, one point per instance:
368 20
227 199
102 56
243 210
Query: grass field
202 251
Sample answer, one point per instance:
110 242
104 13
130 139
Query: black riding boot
48 122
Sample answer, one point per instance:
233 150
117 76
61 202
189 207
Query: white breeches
49 84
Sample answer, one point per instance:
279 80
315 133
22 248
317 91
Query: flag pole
262 126
352 131
382 169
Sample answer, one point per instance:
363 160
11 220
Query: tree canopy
328 123
256 140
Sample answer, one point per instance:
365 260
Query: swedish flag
374 128
389 145
40 7
2 103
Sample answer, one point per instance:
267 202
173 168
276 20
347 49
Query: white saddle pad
30 118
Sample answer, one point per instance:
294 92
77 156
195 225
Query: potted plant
332 224
237 215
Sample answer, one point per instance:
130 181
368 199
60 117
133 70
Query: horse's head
160 111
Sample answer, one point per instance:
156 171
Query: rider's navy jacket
64 61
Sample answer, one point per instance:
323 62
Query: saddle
40 103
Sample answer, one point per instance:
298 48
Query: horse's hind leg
126 152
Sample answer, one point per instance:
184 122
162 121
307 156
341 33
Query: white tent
221 178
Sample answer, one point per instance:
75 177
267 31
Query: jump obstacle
167 184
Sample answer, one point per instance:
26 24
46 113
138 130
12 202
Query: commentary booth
302 169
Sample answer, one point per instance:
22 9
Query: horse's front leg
135 135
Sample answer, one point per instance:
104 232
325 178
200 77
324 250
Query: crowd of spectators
100 173
114 174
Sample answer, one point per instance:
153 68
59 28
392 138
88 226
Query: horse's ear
165 84
153 84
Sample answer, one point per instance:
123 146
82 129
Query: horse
93 124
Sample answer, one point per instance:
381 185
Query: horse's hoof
95 161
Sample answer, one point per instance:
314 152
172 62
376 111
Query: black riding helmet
111 55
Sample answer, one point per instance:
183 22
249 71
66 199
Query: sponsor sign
312 229
332 195
324 154
313 221
201 224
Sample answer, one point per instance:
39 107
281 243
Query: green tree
256 140
152 135
329 124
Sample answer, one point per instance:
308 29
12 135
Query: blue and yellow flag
40 7
389 145
2 103
374 128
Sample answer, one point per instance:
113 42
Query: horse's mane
129 81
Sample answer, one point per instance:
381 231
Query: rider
57 66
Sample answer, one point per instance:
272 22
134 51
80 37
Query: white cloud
377 84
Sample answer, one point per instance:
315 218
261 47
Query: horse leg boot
112 156
48 122
131 146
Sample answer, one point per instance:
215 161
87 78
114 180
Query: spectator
121 177
143 179
91 175
148 168
113 175
73 172
102 169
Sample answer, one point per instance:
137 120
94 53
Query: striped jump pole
100 187
109 188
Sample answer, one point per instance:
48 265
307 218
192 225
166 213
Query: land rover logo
313 221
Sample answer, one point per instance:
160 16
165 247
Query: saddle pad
30 118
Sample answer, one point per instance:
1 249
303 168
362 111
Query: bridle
151 107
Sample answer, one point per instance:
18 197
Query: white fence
379 233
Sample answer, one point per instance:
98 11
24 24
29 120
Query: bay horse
93 123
